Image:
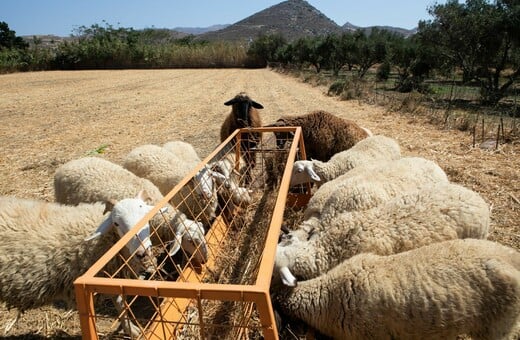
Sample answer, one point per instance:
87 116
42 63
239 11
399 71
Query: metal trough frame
88 284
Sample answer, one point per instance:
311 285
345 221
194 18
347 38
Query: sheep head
303 172
281 137
283 260
193 242
124 214
205 182
242 104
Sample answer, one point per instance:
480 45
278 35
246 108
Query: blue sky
61 17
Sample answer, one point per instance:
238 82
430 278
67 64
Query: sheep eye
116 224
300 171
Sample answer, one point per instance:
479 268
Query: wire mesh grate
227 295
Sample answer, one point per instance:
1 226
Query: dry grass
49 118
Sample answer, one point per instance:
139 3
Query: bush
410 84
383 71
337 87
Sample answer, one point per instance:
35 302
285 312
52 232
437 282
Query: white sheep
46 246
370 149
229 183
437 291
437 213
164 168
183 150
93 179
371 184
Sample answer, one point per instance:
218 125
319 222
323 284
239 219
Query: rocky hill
349 27
292 18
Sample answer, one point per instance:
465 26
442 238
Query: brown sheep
244 113
324 134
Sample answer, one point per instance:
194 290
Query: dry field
48 118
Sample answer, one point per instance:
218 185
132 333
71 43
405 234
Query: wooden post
498 137
502 128
482 141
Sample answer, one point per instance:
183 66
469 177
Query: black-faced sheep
439 291
93 179
370 149
436 213
244 113
324 134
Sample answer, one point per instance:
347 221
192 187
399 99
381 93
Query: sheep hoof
10 325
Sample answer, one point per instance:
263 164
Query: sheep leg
129 328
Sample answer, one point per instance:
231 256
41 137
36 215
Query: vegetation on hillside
475 44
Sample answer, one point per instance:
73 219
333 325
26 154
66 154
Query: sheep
229 183
93 179
324 134
370 149
437 291
369 185
182 150
439 212
166 168
46 246
244 113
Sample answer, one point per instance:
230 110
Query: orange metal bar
112 252
85 305
266 265
88 284
267 319
171 311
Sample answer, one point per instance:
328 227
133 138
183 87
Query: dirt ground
49 118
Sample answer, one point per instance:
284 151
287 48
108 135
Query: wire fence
457 107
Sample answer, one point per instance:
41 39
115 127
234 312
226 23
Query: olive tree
480 38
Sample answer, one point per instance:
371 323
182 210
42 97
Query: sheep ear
176 246
230 102
109 205
287 277
102 229
256 105
144 196
217 175
312 174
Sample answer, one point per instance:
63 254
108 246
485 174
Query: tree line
476 42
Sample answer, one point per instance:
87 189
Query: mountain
199 30
349 27
292 18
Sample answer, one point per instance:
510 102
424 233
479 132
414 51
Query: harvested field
49 118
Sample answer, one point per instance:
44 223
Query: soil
49 118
